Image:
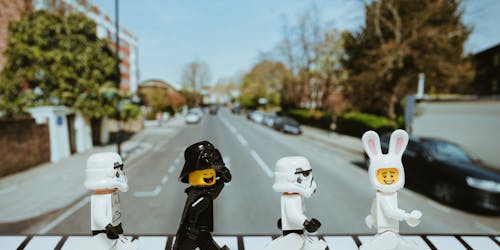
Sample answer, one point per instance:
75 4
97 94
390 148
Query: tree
312 53
58 60
263 81
195 75
400 40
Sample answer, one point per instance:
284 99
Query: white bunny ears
397 144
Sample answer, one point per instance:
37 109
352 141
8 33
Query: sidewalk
52 186
343 142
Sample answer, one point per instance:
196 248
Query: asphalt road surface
248 205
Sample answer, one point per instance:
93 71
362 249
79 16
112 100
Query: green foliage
355 124
263 81
315 118
56 60
400 40
130 111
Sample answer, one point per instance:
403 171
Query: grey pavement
53 186
344 142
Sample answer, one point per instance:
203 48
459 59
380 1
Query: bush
316 118
355 124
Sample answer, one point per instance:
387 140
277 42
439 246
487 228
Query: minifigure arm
292 211
392 212
100 210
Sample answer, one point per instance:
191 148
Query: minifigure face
387 176
205 177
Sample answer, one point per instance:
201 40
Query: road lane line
262 164
171 169
64 215
153 193
164 179
242 140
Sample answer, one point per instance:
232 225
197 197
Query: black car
449 174
287 125
236 109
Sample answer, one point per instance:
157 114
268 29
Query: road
248 205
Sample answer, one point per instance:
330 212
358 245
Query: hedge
315 118
355 124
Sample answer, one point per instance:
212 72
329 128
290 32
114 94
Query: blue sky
229 35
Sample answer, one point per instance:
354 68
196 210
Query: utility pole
117 46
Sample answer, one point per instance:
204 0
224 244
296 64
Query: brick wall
23 144
10 10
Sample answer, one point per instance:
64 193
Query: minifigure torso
105 209
384 222
292 212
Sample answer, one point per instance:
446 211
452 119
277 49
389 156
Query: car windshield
446 151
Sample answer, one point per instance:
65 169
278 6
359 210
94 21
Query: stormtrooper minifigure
294 180
105 175
387 176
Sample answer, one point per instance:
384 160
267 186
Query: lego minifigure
294 180
387 176
205 171
105 175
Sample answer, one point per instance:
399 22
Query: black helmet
199 156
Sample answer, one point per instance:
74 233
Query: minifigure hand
111 233
413 218
279 224
225 174
370 222
312 225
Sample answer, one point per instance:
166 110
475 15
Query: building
128 51
487 64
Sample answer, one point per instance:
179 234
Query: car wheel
444 191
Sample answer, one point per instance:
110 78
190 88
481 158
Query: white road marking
153 193
242 140
262 164
164 179
64 215
171 169
486 228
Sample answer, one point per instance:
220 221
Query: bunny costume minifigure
387 176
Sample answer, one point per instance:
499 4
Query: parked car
236 109
257 116
269 120
192 117
450 174
287 125
249 114
213 109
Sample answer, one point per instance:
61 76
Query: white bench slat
256 242
480 242
153 242
8 242
43 243
446 243
341 243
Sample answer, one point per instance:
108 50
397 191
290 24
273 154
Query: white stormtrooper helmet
391 160
105 171
293 175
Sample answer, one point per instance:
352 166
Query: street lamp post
117 46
